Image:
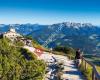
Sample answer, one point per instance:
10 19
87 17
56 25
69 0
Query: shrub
15 66
68 51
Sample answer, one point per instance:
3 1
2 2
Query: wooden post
93 76
96 78
82 61
85 65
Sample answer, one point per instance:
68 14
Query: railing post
93 75
96 78
85 65
82 61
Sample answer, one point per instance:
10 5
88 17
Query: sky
49 11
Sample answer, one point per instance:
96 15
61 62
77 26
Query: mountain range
77 35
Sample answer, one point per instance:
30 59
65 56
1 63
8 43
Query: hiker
78 57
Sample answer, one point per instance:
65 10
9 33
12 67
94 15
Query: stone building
11 34
14 36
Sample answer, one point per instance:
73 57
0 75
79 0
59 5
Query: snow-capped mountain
85 36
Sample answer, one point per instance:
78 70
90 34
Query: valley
77 35
95 59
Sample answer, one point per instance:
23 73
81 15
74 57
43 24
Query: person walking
78 57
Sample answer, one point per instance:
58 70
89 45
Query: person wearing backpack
78 57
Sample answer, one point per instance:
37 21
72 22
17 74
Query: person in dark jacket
78 57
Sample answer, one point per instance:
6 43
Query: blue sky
49 11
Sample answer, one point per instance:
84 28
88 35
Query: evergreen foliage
68 51
15 66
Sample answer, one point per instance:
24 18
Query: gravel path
70 72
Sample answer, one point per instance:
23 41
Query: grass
88 72
98 68
38 46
